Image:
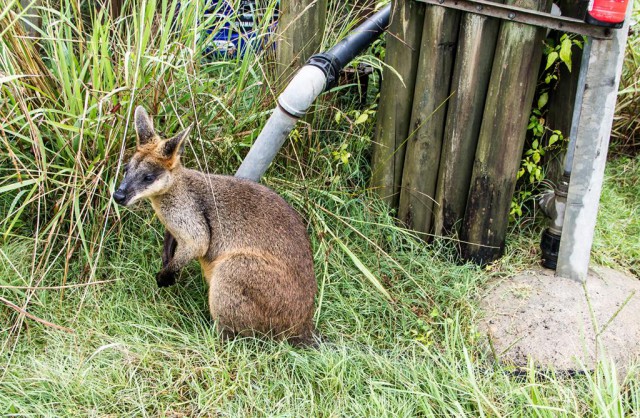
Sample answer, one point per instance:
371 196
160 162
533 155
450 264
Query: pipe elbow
303 89
547 203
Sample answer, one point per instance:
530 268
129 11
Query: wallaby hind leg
255 295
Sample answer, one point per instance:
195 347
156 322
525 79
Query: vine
542 139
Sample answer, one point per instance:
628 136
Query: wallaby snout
252 246
120 196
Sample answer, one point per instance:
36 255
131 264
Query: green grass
140 350
397 316
617 241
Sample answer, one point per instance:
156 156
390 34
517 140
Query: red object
607 12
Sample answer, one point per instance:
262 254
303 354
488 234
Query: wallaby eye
148 178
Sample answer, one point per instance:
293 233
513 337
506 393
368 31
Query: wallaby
252 246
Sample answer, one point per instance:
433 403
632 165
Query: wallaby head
151 171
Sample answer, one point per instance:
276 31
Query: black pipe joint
550 246
342 53
329 65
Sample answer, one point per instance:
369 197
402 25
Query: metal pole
590 154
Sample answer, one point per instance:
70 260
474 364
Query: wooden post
435 65
116 8
396 97
474 59
559 115
502 135
300 30
562 98
32 16
592 140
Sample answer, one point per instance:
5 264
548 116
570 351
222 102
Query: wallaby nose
119 196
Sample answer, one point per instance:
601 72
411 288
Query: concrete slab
557 321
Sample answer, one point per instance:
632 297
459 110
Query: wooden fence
452 127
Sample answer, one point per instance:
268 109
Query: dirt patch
555 321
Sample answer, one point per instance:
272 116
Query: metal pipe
318 75
293 103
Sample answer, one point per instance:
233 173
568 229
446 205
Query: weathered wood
592 140
435 66
559 115
300 29
562 98
474 59
396 97
32 16
116 8
502 135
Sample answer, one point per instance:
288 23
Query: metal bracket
526 16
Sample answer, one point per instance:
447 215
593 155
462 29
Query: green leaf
535 144
361 119
551 58
543 99
536 157
553 139
338 117
565 52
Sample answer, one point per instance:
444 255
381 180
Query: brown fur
252 246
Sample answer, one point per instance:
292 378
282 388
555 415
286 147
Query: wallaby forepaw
165 278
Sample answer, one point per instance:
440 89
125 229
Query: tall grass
67 96
625 133
67 99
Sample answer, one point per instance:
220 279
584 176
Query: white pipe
293 103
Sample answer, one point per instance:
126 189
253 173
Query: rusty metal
525 16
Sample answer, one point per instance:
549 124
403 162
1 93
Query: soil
555 321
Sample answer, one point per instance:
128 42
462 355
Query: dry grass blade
35 318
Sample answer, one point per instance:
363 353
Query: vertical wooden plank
32 16
396 97
592 140
502 135
116 8
300 30
474 59
435 65
559 115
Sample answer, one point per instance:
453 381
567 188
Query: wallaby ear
144 126
173 147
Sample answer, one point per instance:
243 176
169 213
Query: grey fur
252 246
144 126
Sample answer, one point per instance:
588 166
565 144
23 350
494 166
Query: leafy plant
542 138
